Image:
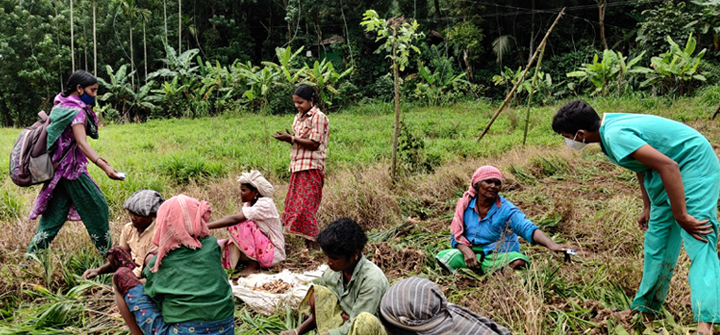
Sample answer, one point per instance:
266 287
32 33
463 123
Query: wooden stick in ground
520 80
530 98
715 114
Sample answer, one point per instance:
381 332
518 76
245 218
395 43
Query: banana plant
285 57
677 69
438 78
119 89
608 73
324 77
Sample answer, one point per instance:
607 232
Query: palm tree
145 16
130 10
165 18
94 38
179 27
72 37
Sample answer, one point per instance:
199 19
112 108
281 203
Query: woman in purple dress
72 195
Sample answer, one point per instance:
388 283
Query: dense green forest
191 58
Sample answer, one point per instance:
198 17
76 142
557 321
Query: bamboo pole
509 95
530 98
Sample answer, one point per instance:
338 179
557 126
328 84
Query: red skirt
302 203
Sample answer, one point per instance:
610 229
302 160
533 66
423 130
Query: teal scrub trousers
663 240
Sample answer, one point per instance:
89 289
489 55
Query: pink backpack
30 160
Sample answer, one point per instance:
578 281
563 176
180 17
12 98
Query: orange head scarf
181 221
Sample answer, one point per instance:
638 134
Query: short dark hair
575 115
343 237
307 92
79 77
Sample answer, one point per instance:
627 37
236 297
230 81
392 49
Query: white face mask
575 145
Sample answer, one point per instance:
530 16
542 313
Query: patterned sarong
122 258
302 202
247 238
328 314
453 259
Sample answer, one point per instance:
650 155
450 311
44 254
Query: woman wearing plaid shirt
309 140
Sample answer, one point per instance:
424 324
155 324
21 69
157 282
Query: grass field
579 199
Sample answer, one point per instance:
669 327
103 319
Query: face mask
575 145
88 100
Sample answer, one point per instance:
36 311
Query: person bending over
679 177
187 290
346 299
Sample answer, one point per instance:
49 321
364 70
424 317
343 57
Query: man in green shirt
679 177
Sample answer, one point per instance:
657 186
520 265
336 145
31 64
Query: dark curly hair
343 237
575 115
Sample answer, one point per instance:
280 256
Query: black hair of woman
79 77
307 92
343 237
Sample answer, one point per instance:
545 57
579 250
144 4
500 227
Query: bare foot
253 267
704 328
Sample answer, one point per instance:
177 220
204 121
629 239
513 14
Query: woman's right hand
469 256
111 172
644 219
91 273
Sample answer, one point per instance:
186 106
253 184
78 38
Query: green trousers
90 205
453 259
663 240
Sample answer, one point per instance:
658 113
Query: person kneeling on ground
346 299
256 237
486 226
679 176
136 237
187 290
417 306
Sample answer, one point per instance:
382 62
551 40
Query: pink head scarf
457 226
181 221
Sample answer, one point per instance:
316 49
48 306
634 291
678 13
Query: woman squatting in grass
72 195
256 237
417 306
486 226
187 290
309 140
346 299
679 176
136 237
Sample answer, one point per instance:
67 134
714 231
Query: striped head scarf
418 305
144 203
181 221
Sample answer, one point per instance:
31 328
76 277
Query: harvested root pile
274 287
395 263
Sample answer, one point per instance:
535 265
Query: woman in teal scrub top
679 178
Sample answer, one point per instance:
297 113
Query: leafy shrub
384 89
348 94
11 205
609 74
677 69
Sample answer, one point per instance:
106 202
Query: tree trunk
72 37
94 38
132 61
145 51
57 33
437 10
716 113
601 15
85 38
396 134
165 18
468 66
532 31
179 27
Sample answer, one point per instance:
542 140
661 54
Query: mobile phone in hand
121 175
